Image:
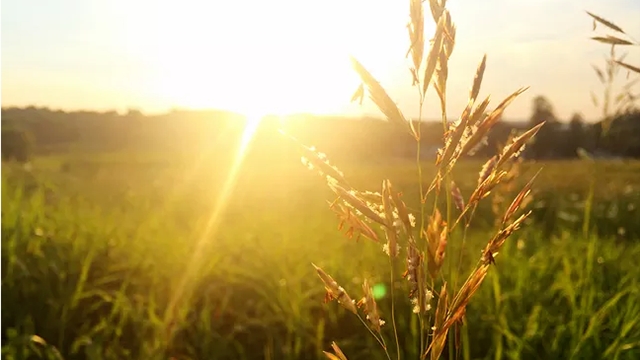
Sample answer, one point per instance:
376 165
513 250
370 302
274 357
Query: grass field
143 257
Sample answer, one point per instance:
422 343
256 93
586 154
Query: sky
283 56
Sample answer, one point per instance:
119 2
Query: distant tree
623 138
16 144
546 141
542 111
575 135
132 112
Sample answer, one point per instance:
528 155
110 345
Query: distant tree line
31 130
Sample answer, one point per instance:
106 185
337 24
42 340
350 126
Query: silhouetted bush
16 145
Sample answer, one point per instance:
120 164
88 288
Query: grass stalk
393 305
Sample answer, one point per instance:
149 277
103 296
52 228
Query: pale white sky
291 56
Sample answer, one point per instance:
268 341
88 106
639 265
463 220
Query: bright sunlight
280 57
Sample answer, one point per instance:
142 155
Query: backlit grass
93 251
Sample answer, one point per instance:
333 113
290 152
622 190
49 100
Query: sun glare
259 58
270 57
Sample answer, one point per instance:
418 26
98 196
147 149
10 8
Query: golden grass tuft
384 218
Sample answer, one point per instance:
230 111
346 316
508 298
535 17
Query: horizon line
177 109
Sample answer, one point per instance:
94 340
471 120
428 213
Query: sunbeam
184 289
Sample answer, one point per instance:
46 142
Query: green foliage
92 258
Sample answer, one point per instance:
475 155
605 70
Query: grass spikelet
442 73
335 291
600 74
354 225
436 235
477 81
516 147
453 139
339 355
413 274
358 95
605 22
612 40
437 7
379 96
519 199
492 248
477 113
356 203
390 229
315 160
434 55
458 200
487 169
488 122
440 332
416 34
482 191
628 67
461 300
370 307
450 35
408 220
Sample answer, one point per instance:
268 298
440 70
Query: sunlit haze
285 56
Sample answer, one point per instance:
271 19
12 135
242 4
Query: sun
269 57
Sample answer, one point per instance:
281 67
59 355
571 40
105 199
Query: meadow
151 256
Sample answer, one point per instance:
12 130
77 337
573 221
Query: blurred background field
141 221
95 248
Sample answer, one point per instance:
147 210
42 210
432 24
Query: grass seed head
515 148
379 96
456 194
519 199
434 55
436 234
389 212
357 203
488 122
354 225
335 291
479 110
487 169
371 307
415 269
440 332
407 218
416 34
498 240
477 81
437 7
339 355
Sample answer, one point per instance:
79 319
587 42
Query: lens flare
184 288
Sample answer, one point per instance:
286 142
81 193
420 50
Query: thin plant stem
393 307
422 208
379 339
462 245
447 180
419 165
